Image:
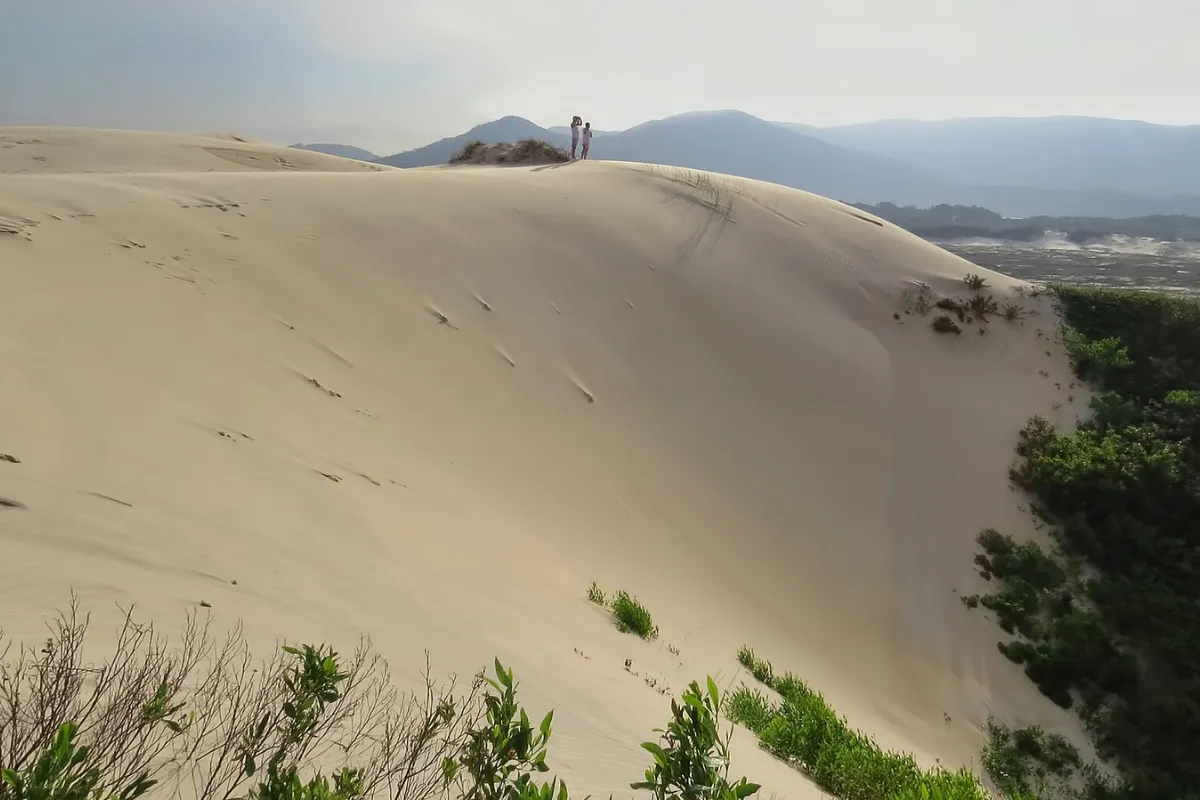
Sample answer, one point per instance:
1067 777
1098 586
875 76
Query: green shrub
692 760
632 617
749 707
596 595
502 756
805 732
1113 630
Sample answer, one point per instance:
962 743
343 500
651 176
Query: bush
526 151
804 731
1029 761
943 324
692 760
975 282
468 152
632 617
1112 630
202 711
206 715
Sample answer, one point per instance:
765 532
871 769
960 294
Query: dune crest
433 406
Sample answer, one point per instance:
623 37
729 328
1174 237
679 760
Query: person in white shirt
575 123
587 138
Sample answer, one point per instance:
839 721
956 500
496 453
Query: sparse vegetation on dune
1105 622
629 615
201 717
526 151
804 731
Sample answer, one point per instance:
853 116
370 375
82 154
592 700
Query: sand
434 405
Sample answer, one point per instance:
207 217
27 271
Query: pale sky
392 74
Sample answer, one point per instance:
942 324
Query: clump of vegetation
629 615
596 595
762 670
1030 762
918 299
1014 312
633 617
1106 623
468 152
982 306
943 324
975 282
203 713
804 731
203 719
526 151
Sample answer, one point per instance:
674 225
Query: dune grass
804 731
629 615
203 718
1104 620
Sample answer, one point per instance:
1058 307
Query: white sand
770 457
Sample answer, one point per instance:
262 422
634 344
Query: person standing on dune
576 121
587 138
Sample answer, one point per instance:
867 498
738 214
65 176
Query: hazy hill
505 129
740 144
1071 153
341 150
803 157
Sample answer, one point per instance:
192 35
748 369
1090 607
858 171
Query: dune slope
433 405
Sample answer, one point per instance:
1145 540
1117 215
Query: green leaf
746 789
545 726
248 765
713 693
660 755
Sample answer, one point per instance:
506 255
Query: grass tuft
596 595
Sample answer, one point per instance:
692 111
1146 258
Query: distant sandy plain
432 406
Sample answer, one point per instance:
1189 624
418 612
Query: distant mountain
506 129
1069 153
342 150
815 160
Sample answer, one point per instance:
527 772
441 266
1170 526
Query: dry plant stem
222 692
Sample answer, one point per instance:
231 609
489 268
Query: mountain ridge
869 163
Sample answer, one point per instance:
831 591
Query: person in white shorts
575 123
587 138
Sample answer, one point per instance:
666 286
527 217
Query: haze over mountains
1019 167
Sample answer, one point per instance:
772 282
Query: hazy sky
391 74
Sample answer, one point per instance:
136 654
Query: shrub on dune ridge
201 717
1119 638
526 151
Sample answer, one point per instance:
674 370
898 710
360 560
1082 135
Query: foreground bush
804 731
1107 622
201 718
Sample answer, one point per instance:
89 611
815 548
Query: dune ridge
432 406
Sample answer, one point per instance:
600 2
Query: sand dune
433 406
